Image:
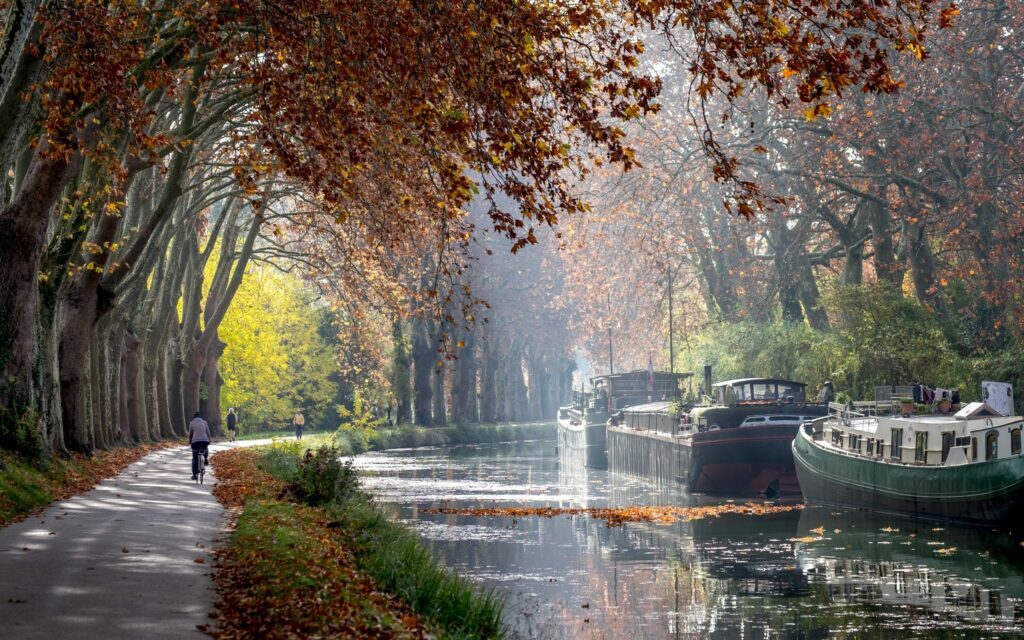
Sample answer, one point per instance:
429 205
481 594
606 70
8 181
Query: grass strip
311 557
26 486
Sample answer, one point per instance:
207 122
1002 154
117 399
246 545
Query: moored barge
582 426
965 467
738 442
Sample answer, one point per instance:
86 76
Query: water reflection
811 574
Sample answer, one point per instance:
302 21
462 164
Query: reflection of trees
713 578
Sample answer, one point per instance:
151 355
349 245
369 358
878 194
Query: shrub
321 478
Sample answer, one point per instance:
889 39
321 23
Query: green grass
25 487
391 554
399 563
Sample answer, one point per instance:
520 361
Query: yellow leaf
817 111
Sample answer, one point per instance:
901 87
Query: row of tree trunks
494 378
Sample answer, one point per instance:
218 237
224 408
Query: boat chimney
707 379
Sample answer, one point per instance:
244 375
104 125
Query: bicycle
202 468
203 461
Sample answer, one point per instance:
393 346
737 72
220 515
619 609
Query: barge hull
980 493
748 460
584 443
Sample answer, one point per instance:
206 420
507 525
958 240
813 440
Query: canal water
812 573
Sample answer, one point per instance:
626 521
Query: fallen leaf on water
806 539
618 516
946 551
820 531
124 549
200 560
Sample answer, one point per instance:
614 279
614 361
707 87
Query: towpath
129 559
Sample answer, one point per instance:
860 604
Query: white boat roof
872 424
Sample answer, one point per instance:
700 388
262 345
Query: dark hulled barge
738 442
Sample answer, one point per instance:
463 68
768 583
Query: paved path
122 561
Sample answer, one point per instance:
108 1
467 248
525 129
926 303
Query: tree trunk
212 382
176 395
130 389
518 401
79 309
886 264
437 392
922 266
488 374
423 359
464 401
23 226
535 381
400 364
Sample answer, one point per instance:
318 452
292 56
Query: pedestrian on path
232 423
299 421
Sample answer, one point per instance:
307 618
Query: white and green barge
965 467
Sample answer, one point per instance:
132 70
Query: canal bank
310 556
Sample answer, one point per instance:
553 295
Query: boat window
974 449
1015 440
871 446
921 447
948 438
786 390
837 437
763 391
855 442
896 443
992 445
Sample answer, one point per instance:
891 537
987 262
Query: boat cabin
620 390
976 435
754 390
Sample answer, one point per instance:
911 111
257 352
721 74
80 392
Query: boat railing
844 413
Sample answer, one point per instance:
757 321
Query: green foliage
358 427
276 359
23 432
878 337
321 478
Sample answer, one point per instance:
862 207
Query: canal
811 573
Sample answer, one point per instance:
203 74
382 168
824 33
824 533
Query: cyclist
199 440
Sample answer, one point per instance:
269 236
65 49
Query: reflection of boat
966 467
582 432
891 562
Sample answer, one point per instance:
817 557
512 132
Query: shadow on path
129 559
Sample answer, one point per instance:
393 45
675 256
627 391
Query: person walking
199 441
299 421
232 423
